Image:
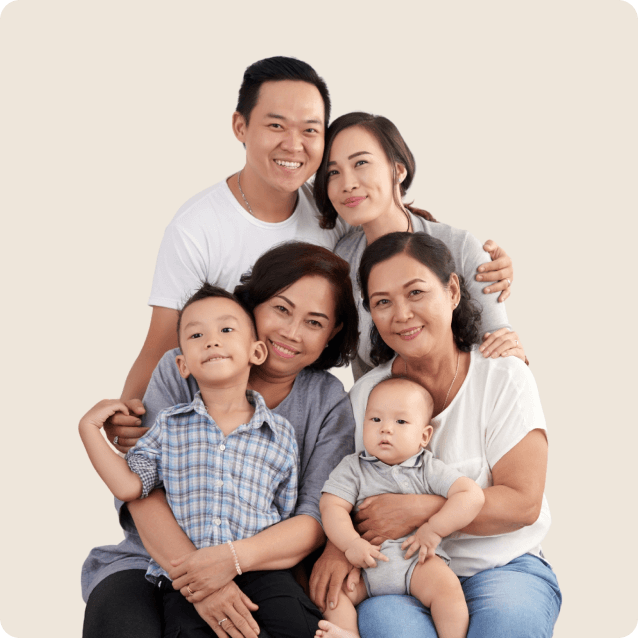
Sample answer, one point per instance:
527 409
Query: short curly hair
435 255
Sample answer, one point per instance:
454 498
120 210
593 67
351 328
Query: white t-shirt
213 238
495 408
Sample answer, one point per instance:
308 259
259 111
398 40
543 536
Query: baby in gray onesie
396 431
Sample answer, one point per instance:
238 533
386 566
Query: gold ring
190 591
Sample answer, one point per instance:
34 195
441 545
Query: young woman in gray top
366 170
307 317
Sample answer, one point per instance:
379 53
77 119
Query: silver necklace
250 210
447 396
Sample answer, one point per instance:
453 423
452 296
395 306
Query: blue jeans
519 600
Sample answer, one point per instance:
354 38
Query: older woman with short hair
488 424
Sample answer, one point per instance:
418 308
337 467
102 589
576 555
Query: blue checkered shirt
219 487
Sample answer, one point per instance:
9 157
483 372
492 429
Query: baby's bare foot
328 630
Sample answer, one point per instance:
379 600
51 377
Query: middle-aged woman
366 170
488 424
307 317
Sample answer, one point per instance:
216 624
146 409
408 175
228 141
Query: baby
227 434
396 431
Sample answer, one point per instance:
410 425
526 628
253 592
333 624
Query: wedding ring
190 591
115 440
221 621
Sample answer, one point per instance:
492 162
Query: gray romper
359 476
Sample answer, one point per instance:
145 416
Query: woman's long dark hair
282 266
433 254
394 147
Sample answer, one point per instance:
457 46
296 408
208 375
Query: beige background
522 116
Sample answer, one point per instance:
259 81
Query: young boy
395 432
228 464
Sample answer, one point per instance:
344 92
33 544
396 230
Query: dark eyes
401 421
376 419
227 329
197 335
415 292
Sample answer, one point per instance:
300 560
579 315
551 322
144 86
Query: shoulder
502 381
212 201
351 246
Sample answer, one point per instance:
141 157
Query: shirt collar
413 461
262 415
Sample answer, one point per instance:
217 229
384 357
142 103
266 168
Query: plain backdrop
522 117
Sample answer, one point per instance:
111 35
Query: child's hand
100 412
425 540
360 553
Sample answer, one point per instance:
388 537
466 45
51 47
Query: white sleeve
517 411
182 266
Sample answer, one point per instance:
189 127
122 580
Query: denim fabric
519 600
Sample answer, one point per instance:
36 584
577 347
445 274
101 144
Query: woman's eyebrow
406 285
352 156
312 314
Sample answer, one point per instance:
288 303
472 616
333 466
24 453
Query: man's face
285 137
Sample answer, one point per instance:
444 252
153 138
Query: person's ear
182 367
427 435
455 290
401 172
260 352
239 126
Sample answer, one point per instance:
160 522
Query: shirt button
218 521
222 447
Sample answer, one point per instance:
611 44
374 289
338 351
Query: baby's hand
100 412
425 540
360 553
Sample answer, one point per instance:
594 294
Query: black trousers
126 605
284 609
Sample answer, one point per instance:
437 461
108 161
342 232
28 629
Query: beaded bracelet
232 549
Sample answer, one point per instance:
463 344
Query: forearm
280 546
338 526
162 536
140 373
460 509
112 468
505 510
161 337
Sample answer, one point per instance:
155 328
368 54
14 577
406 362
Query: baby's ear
260 352
182 367
427 435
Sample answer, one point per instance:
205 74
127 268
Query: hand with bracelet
202 572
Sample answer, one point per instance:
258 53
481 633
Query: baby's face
397 421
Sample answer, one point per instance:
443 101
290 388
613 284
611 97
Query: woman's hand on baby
205 571
125 425
231 603
362 554
425 540
386 516
499 270
502 343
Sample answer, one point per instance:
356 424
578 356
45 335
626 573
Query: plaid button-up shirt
219 487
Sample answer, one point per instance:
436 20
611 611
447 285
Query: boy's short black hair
207 291
277 69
